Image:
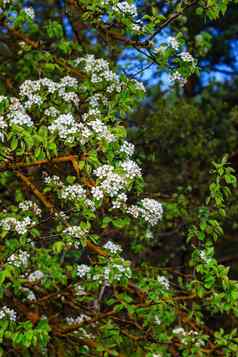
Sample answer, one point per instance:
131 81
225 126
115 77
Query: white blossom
113 184
73 192
112 247
125 8
187 57
176 76
173 42
52 112
179 331
134 211
101 130
119 201
7 313
127 148
30 206
17 114
116 271
151 211
36 276
75 231
61 215
76 320
97 193
90 204
100 71
83 270
29 11
103 171
164 282
21 227
3 124
29 294
19 259
30 90
66 127
157 320
138 85
131 168
53 180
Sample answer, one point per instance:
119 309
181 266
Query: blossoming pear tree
72 201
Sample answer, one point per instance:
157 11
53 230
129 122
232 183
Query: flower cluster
164 282
66 127
173 42
19 259
29 294
187 57
7 313
29 11
173 47
65 89
52 112
127 148
73 192
112 183
101 130
36 276
16 115
125 8
83 270
116 272
131 169
99 71
149 209
177 77
75 232
119 201
97 193
3 125
53 181
76 320
20 227
188 337
112 247
30 206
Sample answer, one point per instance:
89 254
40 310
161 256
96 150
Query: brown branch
36 192
18 165
36 45
171 18
22 37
